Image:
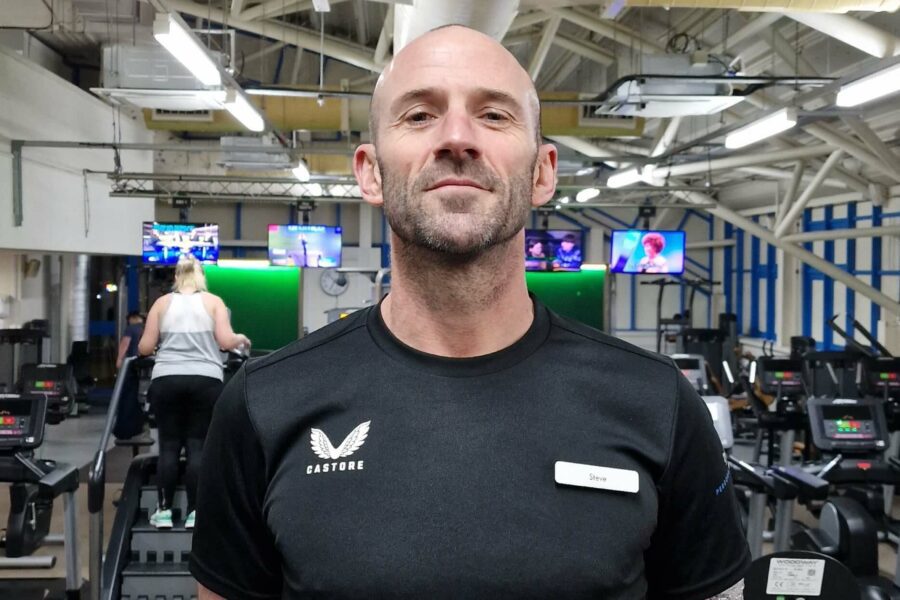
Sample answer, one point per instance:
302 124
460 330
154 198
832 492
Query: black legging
183 406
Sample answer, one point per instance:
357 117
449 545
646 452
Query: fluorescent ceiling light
244 112
876 85
321 5
314 189
564 200
773 124
584 171
587 194
173 33
626 177
301 171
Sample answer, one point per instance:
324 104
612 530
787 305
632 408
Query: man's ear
544 179
368 175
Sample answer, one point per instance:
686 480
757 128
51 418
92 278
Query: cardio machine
853 433
694 368
35 484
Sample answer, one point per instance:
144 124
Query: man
429 447
568 255
130 421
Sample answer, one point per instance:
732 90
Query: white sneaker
189 521
161 519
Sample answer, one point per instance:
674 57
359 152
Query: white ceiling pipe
841 234
750 30
385 37
543 47
272 47
743 160
350 53
710 244
874 143
851 31
664 141
617 33
831 136
583 146
491 18
528 19
796 208
801 254
590 51
785 175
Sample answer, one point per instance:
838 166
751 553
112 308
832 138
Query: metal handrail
97 483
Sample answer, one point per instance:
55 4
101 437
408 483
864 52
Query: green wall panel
264 302
578 295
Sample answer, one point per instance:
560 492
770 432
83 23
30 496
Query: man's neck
457 308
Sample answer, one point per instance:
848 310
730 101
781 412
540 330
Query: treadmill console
49 379
786 373
693 367
847 425
21 421
880 375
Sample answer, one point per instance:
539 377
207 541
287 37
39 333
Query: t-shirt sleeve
233 551
698 548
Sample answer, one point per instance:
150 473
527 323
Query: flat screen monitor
310 246
639 251
554 249
164 243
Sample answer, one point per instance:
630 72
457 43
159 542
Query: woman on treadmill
189 325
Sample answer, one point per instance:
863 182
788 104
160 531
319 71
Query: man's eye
495 116
418 117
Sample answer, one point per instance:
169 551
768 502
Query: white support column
669 129
791 195
883 300
797 207
579 47
752 29
543 47
295 71
787 298
843 234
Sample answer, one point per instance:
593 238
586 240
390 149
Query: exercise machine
35 484
853 434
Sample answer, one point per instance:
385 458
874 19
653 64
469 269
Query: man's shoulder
318 340
604 342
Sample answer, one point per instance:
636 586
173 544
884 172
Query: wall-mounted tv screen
638 251
164 243
305 246
554 249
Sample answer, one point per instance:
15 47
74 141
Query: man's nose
458 137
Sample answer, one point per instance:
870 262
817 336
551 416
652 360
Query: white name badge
601 478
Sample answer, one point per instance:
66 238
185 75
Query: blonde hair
189 273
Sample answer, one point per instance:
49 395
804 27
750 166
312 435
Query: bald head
443 56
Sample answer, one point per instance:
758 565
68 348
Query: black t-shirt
348 465
133 331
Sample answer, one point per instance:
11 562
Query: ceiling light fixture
626 177
172 32
564 200
241 109
587 194
766 127
876 85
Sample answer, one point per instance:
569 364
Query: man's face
567 245
456 144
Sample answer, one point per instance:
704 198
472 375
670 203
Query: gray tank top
187 345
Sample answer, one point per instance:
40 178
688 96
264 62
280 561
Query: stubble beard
457 227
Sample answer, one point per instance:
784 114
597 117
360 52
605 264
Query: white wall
59 215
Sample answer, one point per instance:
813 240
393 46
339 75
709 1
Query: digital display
848 422
15 418
638 251
688 364
311 246
786 372
164 243
554 249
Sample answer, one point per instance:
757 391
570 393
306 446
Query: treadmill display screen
848 422
688 364
49 387
15 418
